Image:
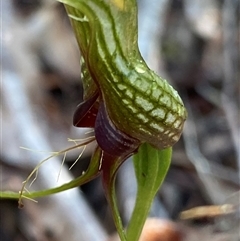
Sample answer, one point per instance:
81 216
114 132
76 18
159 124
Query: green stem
110 166
115 212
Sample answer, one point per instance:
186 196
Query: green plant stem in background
91 173
151 166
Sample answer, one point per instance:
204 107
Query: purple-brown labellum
110 139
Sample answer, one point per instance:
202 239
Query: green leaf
151 166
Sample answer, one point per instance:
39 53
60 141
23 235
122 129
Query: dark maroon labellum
110 139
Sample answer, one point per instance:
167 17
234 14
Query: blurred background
192 43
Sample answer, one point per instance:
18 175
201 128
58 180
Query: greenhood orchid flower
125 102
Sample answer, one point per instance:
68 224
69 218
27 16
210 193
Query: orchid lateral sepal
86 112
